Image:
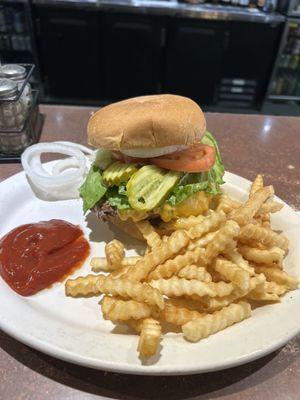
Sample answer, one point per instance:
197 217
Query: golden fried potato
168 249
195 272
239 260
201 242
116 309
257 184
246 212
177 287
211 222
227 205
272 255
115 253
178 315
253 233
173 266
223 237
211 323
278 276
270 206
232 273
150 335
149 234
98 284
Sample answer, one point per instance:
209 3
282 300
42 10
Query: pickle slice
117 173
148 187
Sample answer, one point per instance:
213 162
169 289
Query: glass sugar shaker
12 113
17 73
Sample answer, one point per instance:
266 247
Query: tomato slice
196 158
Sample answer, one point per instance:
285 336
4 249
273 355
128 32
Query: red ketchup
34 256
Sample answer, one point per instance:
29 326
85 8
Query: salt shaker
17 73
12 113
12 118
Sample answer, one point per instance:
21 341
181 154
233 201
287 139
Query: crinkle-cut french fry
210 304
246 212
150 335
173 266
269 206
97 284
278 276
177 315
201 242
257 184
177 287
100 264
219 320
265 236
223 237
273 287
226 204
240 261
129 261
115 253
149 234
273 254
232 273
121 310
181 223
262 296
211 222
195 272
176 242
118 273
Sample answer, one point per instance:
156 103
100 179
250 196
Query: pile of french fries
200 274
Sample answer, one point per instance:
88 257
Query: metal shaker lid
8 88
13 71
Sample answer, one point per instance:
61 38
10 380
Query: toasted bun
147 122
128 227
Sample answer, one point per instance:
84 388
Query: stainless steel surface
282 97
172 8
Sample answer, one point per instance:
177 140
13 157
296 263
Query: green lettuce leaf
218 168
92 190
117 197
208 181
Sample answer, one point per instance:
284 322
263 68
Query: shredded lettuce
117 197
208 181
92 190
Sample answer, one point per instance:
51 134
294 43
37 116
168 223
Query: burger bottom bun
129 227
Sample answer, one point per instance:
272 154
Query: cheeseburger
155 161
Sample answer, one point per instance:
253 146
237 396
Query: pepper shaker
17 73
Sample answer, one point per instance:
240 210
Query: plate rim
133 369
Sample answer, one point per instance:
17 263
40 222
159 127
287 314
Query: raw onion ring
66 176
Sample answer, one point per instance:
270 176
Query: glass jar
12 113
17 73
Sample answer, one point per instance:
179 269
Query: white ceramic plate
73 329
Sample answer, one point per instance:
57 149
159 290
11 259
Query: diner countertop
249 144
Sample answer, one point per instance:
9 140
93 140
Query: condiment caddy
20 120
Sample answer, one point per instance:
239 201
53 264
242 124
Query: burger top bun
147 122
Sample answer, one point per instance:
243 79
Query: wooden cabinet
132 57
194 55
